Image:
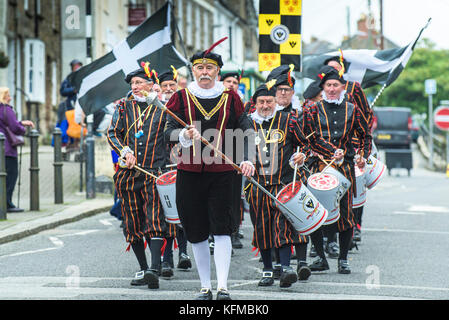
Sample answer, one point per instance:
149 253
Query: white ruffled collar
211 93
336 101
259 119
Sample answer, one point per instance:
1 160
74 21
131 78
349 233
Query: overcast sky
403 19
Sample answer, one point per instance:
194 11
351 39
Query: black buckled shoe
184 262
152 279
288 277
223 294
166 270
235 240
332 250
343 267
205 294
139 279
320 264
303 271
267 279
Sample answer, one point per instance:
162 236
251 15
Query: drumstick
142 170
171 165
310 135
294 173
319 176
158 104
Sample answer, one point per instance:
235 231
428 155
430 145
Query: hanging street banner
279 34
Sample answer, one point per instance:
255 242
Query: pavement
75 205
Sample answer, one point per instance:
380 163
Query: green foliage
408 89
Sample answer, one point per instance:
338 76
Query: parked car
392 127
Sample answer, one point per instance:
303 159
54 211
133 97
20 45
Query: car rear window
392 119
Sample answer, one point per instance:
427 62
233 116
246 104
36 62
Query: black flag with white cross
102 81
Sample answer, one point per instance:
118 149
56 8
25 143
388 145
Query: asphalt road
403 255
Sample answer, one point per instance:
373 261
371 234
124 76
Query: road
403 255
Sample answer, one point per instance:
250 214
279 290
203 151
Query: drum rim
158 180
338 182
316 225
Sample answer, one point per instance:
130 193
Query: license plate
384 136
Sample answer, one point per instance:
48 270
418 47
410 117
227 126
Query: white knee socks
222 258
201 254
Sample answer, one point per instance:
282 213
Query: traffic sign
441 118
430 86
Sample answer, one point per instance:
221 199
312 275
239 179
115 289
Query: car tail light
410 122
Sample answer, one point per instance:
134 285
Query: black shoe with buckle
223 294
267 279
303 271
166 270
184 262
343 267
320 264
205 294
288 277
152 279
139 279
332 250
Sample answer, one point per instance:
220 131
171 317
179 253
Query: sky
402 19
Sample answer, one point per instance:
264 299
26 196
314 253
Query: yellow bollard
447 171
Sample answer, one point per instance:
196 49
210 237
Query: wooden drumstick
294 173
310 135
319 176
142 170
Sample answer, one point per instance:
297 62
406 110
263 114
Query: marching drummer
343 121
169 85
277 135
288 102
357 97
136 134
204 180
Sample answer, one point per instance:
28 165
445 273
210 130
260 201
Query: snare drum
326 188
375 170
166 187
308 214
360 181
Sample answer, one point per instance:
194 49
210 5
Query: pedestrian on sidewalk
8 119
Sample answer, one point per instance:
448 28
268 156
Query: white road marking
436 209
409 213
49 287
405 231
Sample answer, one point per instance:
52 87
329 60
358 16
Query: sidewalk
50 215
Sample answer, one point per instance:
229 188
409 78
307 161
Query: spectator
8 119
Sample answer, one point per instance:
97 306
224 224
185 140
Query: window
189 22
35 70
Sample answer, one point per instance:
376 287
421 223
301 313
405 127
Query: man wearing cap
204 180
338 120
136 134
357 97
277 136
168 82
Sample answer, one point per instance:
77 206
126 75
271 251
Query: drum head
167 178
325 182
286 194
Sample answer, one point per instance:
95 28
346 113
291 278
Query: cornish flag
368 67
102 81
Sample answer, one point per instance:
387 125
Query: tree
408 90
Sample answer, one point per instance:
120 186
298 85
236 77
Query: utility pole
90 140
381 20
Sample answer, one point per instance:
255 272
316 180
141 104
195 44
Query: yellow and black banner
279 34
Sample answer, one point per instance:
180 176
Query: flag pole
170 2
